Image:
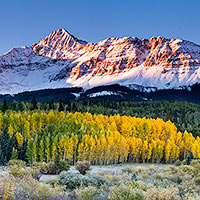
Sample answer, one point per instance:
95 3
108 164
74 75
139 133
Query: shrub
114 179
100 180
187 168
51 167
73 181
197 179
28 188
140 169
195 162
19 163
18 171
124 192
184 162
128 170
178 163
41 166
137 184
63 165
153 169
87 193
83 167
162 194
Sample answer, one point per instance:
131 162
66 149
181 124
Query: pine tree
22 151
5 147
5 105
61 106
51 105
34 103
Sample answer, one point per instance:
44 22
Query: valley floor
114 182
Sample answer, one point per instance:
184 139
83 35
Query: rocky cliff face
62 60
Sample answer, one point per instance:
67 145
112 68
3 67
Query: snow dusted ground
117 168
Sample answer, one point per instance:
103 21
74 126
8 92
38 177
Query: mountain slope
61 60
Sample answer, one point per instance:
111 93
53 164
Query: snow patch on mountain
103 93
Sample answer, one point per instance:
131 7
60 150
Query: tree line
186 116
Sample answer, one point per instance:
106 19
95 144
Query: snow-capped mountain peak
62 60
59 44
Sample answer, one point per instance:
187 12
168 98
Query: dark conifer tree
5 147
61 106
22 151
5 105
51 105
34 103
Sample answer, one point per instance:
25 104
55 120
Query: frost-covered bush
41 166
83 166
19 163
63 165
28 188
73 181
114 179
153 169
125 192
184 162
140 169
187 169
100 180
87 193
178 163
162 194
137 184
51 167
18 171
128 170
195 162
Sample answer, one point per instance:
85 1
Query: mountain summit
59 45
62 60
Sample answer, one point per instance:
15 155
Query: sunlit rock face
62 60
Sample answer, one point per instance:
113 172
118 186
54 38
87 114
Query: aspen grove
100 139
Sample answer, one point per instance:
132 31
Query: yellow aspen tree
27 129
196 149
19 139
124 149
10 130
149 153
160 151
145 148
168 150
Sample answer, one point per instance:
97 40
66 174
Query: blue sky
23 22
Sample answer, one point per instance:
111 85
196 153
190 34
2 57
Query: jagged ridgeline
39 136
